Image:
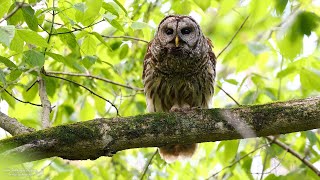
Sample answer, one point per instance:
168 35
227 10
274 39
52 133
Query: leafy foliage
274 57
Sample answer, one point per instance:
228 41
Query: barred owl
178 74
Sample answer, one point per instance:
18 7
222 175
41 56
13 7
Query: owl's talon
183 109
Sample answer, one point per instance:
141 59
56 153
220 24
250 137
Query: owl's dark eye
186 30
169 31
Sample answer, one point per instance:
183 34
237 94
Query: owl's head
176 31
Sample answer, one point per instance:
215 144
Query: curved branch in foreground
105 137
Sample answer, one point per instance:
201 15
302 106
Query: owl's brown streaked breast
165 90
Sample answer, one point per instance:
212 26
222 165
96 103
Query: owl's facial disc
178 33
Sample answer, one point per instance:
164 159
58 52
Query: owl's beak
177 41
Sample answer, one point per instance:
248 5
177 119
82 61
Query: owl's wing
212 56
147 59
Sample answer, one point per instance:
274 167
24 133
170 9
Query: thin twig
26 102
78 29
228 95
145 169
80 85
294 153
95 77
32 85
245 20
237 161
126 37
264 166
19 5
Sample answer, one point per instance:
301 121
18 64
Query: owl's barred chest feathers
163 91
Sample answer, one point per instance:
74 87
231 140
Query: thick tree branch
100 137
13 126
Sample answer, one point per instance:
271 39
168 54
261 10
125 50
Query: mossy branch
105 137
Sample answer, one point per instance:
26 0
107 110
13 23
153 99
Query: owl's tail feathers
172 153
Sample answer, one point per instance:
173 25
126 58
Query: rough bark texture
99 137
13 126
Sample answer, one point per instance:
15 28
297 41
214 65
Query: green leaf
29 17
89 46
139 25
117 25
291 44
290 48
124 51
232 81
120 5
17 44
6 34
33 58
109 16
257 48
87 111
2 78
57 57
32 37
108 7
100 105
249 97
68 61
69 39
75 63
17 17
91 13
280 6
287 71
204 4
309 80
80 6
181 6
100 38
31 93
10 100
51 85
88 61
7 62
304 23
15 74
230 150
111 19
312 137
5 5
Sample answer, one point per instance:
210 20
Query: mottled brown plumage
178 72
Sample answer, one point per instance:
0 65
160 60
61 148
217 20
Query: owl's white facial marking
178 32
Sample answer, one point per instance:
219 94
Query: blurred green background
274 57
